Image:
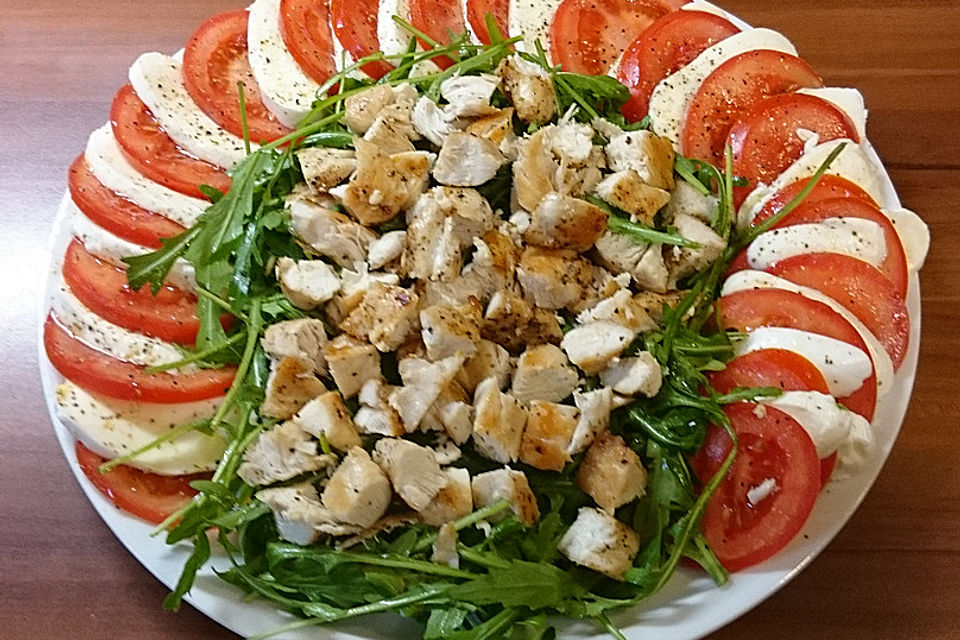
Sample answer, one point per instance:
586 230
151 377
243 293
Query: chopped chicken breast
625 190
611 473
565 222
280 453
466 160
468 96
307 283
375 415
644 262
685 199
351 363
498 423
445 547
290 385
490 360
646 153
547 436
553 277
423 381
359 491
497 127
452 502
429 121
386 249
328 417
386 316
324 168
413 470
377 192
506 484
595 407
599 541
636 375
361 109
449 330
529 88
688 260
329 233
544 373
622 309
303 339
452 413
592 346
299 515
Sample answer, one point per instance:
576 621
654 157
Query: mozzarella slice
671 98
107 163
857 237
850 101
882 364
113 428
844 367
393 38
108 338
827 424
285 89
158 81
532 19
914 236
113 249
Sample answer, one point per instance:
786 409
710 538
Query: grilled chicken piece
636 375
386 316
375 414
497 127
595 407
280 453
687 261
445 547
506 484
466 160
644 262
351 363
388 134
361 110
386 249
358 491
377 192
448 330
327 416
429 121
493 265
413 470
558 158
303 339
599 541
685 199
413 167
324 168
529 88
299 515
593 346
290 385
543 373
611 473
354 285
547 436
646 153
625 190
622 309
329 233
307 283
565 222
423 381
453 501
468 96
552 277
498 423
653 303
452 413
490 360
535 169
506 317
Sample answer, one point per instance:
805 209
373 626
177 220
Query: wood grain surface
893 572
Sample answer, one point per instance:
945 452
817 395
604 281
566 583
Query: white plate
689 607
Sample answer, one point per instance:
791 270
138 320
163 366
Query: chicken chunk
557 158
686 200
625 190
389 135
423 382
687 260
506 484
646 153
413 167
413 470
375 415
307 283
351 363
535 170
445 547
653 302
386 249
466 160
448 330
595 407
644 262
358 491
361 109
329 233
386 316
544 373
327 416
468 96
324 168
429 121
529 88
298 513
552 277
565 222
547 436
637 375
303 339
498 423
452 502
377 192
506 317
599 541
490 360
497 127
492 267
451 413
290 385
592 346
281 453
611 473
622 309
354 285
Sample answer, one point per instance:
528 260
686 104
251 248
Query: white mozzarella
158 81
856 237
827 424
394 39
466 21
113 249
706 7
532 19
108 338
762 491
850 101
113 428
844 367
914 236
341 57
672 96
285 89
882 364
107 163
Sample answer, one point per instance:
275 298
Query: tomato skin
214 59
154 154
753 308
588 36
827 188
477 11
149 496
305 29
438 19
734 87
778 368
860 288
114 213
664 48
764 140
96 372
771 445
355 26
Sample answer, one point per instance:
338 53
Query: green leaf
152 268
198 558
522 584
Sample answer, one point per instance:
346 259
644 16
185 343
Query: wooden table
891 573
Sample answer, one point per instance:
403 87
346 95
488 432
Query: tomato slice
734 87
764 140
438 19
827 188
749 309
154 153
305 29
355 26
214 59
663 48
114 213
588 36
859 287
772 446
99 373
477 11
146 495
779 368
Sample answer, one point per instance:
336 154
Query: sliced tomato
154 153
827 188
169 315
355 27
752 308
477 11
439 19
779 368
772 446
114 213
737 86
663 48
305 29
588 36
765 141
214 59
859 287
99 373
150 496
